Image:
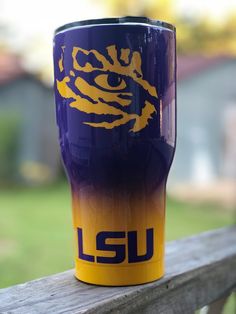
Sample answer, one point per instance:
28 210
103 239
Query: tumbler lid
116 20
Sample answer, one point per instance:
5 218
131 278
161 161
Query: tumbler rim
116 20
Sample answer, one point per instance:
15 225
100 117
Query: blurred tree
162 9
9 138
230 32
205 36
194 36
159 9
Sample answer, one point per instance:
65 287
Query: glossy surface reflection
115 103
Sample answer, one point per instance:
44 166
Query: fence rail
199 271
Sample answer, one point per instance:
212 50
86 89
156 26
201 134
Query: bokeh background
35 206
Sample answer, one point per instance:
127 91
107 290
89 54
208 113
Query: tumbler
115 90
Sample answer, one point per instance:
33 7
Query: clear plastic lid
116 20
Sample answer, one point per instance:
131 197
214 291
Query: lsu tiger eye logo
110 92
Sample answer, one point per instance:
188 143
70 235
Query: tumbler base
119 276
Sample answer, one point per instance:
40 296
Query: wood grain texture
199 270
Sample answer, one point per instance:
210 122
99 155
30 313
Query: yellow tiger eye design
60 62
102 80
108 87
125 55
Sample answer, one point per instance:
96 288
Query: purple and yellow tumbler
115 88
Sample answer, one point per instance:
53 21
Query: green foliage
195 35
203 36
36 237
9 141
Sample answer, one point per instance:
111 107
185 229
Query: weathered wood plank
217 306
199 270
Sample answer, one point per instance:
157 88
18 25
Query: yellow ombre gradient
95 212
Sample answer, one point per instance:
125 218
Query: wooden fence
199 270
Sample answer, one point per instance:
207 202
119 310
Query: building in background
205 159
206 88
29 149
206 113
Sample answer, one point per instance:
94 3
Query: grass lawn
36 234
